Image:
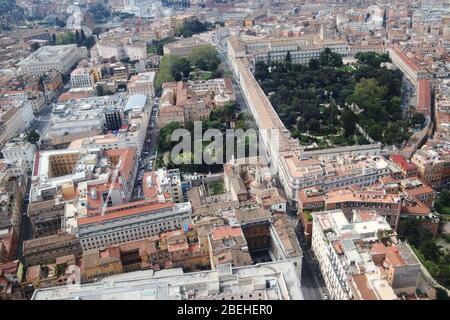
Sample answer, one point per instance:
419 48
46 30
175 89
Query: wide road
43 120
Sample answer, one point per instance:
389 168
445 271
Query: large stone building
111 45
12 191
265 281
60 58
17 149
185 102
142 83
99 263
131 221
14 119
110 122
183 47
408 66
83 77
46 216
433 166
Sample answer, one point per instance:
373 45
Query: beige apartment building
193 101
431 165
142 83
183 47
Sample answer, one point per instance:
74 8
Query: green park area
202 63
222 118
322 101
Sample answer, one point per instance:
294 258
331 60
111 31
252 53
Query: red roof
127 156
150 192
406 59
401 161
36 164
132 208
226 232
9 267
424 97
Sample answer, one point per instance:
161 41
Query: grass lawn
217 187
200 75
347 68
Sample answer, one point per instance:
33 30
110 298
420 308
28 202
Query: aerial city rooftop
347 198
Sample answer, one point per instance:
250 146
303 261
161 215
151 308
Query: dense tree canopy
443 202
164 137
349 123
174 68
99 12
220 118
77 37
329 58
10 13
371 58
441 294
168 67
204 57
190 27
306 97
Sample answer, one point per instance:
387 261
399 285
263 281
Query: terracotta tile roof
395 259
122 211
365 291
401 161
150 192
127 157
224 232
9 267
424 97
406 59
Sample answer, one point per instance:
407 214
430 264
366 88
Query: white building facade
19 149
61 58
132 224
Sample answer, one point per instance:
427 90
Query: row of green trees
78 37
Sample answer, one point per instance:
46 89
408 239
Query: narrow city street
313 286
26 231
148 155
